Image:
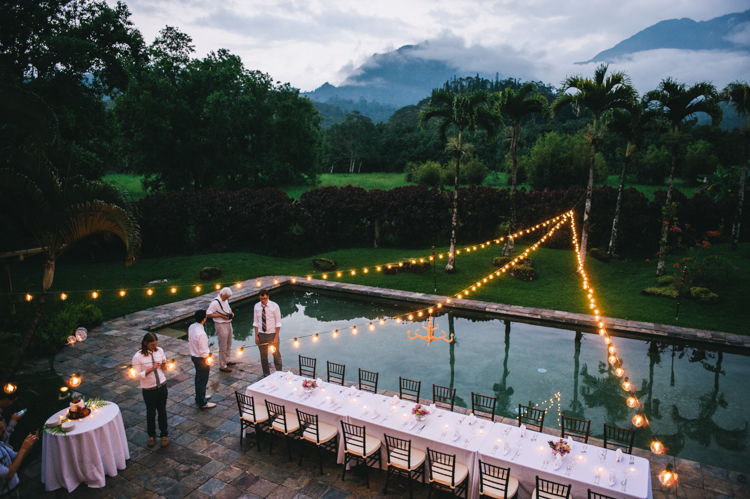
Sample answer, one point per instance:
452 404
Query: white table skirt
528 465
430 436
279 390
96 448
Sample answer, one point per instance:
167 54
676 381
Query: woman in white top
150 362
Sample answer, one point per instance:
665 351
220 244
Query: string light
94 295
132 371
626 385
218 286
639 420
122 292
657 447
241 352
275 281
296 343
668 477
315 338
29 297
294 280
173 290
210 359
354 330
63 296
150 292
336 333
272 349
257 283
239 284
372 328
74 380
197 289
10 388
171 364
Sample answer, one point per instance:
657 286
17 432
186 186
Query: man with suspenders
220 311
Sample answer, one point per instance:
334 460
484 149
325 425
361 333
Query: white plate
68 426
53 421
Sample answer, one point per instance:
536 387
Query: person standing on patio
150 362
198 342
220 311
267 323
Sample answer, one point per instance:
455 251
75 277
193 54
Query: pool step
174 333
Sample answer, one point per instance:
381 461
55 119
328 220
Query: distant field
132 183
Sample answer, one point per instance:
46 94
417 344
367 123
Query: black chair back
246 405
546 489
309 424
354 437
441 464
576 428
483 406
494 478
276 414
443 397
336 373
368 381
594 495
409 389
531 417
618 438
398 448
307 366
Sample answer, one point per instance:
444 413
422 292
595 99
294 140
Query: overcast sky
310 42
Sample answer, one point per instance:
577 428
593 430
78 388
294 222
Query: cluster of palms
614 104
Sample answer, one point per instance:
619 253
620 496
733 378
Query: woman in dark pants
150 363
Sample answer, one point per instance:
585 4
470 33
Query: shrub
704 295
599 254
668 292
476 171
210 273
417 267
429 173
665 280
523 272
654 166
53 332
499 261
715 267
699 162
558 160
325 264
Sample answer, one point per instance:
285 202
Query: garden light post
679 293
434 271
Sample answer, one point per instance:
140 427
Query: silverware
441 414
583 450
421 428
442 436
466 442
494 449
632 460
570 467
483 424
624 484
516 455
596 479
534 437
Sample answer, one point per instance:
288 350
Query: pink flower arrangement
560 447
309 384
420 410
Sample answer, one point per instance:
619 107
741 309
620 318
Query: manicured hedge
268 221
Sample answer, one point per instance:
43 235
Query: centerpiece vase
420 418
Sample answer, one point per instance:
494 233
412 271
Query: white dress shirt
273 317
219 306
198 340
142 362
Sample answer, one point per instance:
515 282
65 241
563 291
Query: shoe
209 405
164 441
225 370
231 363
151 441
208 396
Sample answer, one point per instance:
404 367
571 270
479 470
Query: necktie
263 319
156 375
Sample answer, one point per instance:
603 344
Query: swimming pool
693 395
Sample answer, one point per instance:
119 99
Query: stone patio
205 457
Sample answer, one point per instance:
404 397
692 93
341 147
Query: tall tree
40 209
515 105
464 113
674 102
737 94
599 95
630 124
352 142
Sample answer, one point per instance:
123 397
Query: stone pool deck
205 458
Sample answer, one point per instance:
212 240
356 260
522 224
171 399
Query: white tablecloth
97 447
528 464
289 393
430 436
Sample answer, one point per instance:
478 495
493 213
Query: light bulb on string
296 343
325 276
398 320
63 296
309 278
657 447
275 281
294 280
372 328
668 477
173 290
382 321
335 333
619 372
354 330
210 359
241 352
10 388
29 297
420 314
171 364
149 292
315 338
411 317
132 372
122 292
257 283
218 286
239 284
639 420
632 402
197 289
74 380
94 295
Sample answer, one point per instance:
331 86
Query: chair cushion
461 473
326 432
417 458
292 424
372 445
490 489
261 415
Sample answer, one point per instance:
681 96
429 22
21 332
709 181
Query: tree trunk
49 275
661 266
451 267
616 219
452 348
589 190
740 194
376 240
510 243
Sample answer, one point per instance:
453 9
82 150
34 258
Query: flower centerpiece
420 412
309 385
561 447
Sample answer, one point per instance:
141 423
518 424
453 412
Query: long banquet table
535 451
452 433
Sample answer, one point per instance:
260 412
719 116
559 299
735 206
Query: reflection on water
692 396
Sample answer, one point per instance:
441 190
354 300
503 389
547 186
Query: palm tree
737 94
674 102
516 105
598 95
464 112
629 123
41 210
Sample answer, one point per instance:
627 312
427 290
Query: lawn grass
132 183
618 283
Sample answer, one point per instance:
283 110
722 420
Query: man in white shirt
267 323
198 341
220 311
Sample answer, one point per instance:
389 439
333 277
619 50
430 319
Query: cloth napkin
619 455
456 434
558 461
472 419
432 408
319 382
506 447
612 477
571 442
394 400
523 430
289 375
376 412
352 391
333 401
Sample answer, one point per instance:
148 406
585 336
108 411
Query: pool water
694 397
